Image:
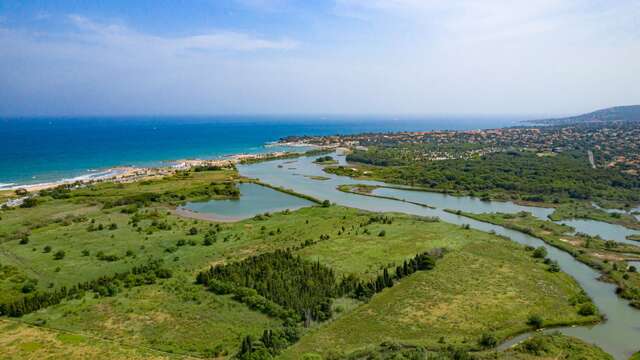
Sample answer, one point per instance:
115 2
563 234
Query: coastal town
612 145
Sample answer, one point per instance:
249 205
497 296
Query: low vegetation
553 346
541 346
23 341
114 262
582 210
606 256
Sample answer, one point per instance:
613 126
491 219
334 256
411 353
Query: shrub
554 266
46 249
535 321
59 255
540 252
28 287
488 340
534 346
102 257
587 309
382 233
163 273
29 203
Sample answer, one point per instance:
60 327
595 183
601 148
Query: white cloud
458 56
120 35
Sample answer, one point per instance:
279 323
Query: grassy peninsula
609 257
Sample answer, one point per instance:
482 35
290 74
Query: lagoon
254 199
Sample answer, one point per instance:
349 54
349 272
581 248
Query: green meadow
484 285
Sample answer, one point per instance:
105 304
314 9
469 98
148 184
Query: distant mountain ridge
617 113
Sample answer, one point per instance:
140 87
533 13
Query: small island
326 160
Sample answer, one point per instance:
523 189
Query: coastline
126 174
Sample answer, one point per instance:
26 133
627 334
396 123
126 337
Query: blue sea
37 150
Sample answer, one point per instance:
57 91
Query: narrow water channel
619 335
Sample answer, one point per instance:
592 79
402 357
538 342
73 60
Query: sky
418 57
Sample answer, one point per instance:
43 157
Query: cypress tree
246 347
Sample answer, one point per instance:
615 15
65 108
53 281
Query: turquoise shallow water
36 150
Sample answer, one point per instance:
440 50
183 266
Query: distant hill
618 113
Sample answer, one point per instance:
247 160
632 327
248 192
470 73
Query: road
591 160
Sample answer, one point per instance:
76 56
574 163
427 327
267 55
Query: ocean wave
94 175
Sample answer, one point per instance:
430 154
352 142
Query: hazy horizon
331 58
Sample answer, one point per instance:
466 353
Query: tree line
107 285
352 286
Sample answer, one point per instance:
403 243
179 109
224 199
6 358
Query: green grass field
175 316
484 284
608 257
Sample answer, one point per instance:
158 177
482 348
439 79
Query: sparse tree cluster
108 285
269 345
352 286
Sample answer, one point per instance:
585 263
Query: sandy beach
131 174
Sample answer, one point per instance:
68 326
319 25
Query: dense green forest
515 175
289 281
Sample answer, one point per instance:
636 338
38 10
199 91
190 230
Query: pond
254 199
619 335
